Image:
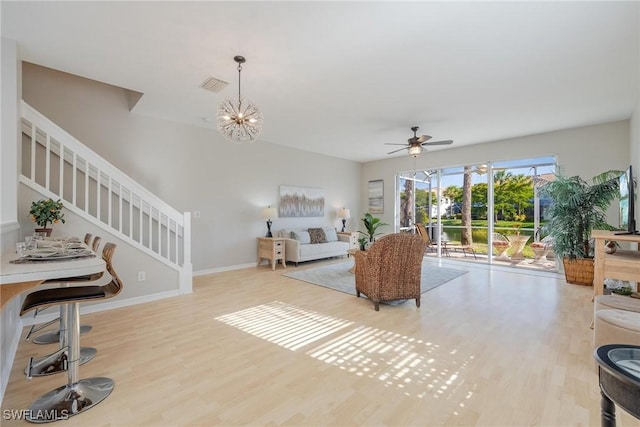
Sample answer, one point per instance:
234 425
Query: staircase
58 166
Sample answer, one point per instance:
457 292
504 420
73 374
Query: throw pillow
330 234
317 235
301 236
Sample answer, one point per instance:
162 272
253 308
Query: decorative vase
44 230
610 247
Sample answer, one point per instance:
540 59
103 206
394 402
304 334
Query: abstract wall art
300 202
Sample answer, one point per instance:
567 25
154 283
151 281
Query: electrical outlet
142 276
196 214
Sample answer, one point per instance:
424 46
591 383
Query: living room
195 170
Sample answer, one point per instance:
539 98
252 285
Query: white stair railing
57 165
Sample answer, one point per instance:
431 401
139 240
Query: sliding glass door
493 208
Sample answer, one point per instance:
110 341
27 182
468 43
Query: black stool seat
54 336
60 296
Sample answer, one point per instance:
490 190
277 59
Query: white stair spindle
47 164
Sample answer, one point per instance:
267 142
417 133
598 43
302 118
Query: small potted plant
371 224
44 212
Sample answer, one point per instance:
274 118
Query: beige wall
194 169
585 151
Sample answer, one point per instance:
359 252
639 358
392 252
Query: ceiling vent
213 84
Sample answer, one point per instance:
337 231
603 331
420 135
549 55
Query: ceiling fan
414 145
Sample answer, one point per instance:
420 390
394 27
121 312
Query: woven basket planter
578 271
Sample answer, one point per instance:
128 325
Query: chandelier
239 121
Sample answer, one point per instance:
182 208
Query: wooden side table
271 249
353 238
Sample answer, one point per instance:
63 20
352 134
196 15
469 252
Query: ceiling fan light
415 150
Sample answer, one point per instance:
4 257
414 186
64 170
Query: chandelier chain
239 79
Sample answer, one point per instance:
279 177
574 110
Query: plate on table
58 254
74 245
42 253
48 244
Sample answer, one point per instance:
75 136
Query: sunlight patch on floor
283 324
414 366
417 367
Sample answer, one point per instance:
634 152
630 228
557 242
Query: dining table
19 274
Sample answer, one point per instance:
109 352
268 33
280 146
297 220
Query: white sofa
298 249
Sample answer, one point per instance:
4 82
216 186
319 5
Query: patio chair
431 245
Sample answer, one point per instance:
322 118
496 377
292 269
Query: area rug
338 277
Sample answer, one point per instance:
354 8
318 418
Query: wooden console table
621 265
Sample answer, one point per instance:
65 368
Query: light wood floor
250 347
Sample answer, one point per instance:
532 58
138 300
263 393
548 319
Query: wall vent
214 85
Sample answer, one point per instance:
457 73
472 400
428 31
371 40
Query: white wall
634 151
10 324
634 145
194 169
10 89
585 151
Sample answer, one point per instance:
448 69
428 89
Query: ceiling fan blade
391 143
423 138
395 151
447 142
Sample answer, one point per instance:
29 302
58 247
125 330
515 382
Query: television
627 195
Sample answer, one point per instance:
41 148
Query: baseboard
222 269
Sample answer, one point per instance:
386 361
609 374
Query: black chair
77 395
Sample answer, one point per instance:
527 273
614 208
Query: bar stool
78 395
55 362
96 243
54 336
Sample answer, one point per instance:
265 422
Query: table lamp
344 214
268 213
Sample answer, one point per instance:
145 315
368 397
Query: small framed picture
376 196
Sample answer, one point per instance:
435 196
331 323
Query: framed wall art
300 202
376 196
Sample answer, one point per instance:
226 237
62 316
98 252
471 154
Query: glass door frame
490 168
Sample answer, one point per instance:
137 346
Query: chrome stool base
53 337
69 400
56 363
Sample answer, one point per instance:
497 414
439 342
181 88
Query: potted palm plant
577 207
44 212
371 224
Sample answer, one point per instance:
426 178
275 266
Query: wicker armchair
391 269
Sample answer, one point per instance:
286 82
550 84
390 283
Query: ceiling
344 78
